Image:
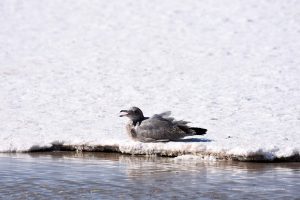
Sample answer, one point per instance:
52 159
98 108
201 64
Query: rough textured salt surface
68 67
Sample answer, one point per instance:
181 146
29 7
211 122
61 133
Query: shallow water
70 175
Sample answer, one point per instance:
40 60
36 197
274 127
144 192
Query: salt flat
68 67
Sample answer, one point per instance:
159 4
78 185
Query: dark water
113 176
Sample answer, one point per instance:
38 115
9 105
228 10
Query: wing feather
159 128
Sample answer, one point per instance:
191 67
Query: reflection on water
69 175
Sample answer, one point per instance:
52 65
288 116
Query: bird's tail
199 131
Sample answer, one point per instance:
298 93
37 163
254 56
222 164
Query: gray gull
158 128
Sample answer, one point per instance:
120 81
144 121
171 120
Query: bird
158 128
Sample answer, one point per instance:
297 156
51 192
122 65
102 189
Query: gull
158 128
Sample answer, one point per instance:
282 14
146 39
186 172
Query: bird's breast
130 129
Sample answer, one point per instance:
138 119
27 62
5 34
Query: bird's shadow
193 140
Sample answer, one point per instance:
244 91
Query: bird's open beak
123 113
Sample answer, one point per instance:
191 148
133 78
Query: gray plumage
159 127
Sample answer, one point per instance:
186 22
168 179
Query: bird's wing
159 128
164 114
167 116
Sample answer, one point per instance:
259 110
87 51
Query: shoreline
255 157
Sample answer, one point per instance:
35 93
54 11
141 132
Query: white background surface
233 67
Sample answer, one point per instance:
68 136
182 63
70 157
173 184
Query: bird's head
133 113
